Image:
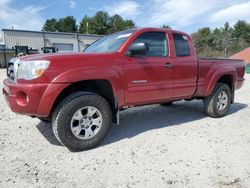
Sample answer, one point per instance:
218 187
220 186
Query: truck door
148 77
185 66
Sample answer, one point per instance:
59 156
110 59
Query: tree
102 23
116 24
242 29
129 24
241 35
216 36
224 41
217 42
203 41
86 25
67 24
50 25
226 38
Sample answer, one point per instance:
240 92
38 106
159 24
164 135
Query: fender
93 73
222 71
59 83
49 96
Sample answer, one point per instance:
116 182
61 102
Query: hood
64 56
47 56
61 63
78 60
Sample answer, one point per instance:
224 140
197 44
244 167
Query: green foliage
222 42
50 25
242 29
116 23
218 42
67 24
129 24
241 35
203 40
86 25
101 23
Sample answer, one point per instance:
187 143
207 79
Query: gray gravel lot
154 146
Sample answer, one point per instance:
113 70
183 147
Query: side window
157 43
181 45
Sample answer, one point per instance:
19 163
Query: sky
184 15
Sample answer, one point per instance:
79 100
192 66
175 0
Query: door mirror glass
138 49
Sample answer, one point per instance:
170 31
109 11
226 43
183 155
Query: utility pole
87 24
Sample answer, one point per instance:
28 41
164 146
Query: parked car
82 93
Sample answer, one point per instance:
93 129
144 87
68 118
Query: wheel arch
226 76
101 87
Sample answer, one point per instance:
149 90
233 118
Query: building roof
46 32
244 54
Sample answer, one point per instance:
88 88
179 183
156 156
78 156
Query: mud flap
232 94
116 112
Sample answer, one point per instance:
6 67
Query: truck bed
210 67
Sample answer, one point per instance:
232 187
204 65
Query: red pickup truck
82 93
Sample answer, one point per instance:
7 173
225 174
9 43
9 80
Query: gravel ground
154 146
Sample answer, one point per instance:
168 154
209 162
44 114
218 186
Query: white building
14 41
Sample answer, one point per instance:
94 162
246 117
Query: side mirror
138 49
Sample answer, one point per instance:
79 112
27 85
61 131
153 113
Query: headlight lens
29 70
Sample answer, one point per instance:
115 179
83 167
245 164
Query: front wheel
218 103
81 120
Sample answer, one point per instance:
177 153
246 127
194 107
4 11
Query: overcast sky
185 15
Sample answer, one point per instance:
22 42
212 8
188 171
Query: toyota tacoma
83 93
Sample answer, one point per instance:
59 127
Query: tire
70 127
166 104
46 120
218 103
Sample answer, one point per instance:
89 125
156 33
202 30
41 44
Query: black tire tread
209 101
58 113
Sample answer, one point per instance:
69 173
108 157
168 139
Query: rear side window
157 43
181 45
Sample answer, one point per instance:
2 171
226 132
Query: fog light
22 98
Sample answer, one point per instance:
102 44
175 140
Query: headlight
29 70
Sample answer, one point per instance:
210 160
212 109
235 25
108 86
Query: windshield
110 43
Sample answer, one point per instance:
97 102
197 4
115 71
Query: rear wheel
81 121
218 103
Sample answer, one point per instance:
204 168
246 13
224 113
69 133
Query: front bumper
35 99
23 98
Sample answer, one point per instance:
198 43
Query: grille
10 71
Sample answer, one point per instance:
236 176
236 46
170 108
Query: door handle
168 65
